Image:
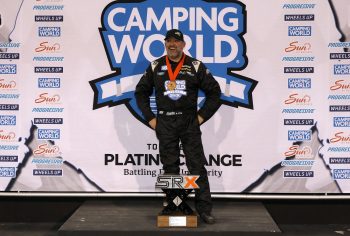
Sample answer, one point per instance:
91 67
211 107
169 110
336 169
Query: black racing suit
177 117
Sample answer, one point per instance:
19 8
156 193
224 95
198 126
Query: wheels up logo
133 35
301 17
51 18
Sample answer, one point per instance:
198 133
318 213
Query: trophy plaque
176 212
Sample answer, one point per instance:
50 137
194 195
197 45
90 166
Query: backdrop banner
69 120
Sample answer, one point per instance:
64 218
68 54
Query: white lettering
126 43
152 18
111 17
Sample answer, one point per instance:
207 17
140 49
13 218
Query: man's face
174 48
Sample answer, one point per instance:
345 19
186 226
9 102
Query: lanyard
173 74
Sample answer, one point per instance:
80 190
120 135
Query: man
176 79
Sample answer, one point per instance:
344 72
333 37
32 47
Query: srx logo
177 182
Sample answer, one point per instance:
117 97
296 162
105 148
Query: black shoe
207 218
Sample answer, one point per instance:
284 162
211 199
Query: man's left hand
200 119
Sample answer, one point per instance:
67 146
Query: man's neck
176 59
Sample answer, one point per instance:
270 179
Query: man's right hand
153 123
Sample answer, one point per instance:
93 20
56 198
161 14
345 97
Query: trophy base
177 219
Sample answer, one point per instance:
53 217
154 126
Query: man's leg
169 149
195 161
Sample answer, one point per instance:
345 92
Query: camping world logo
133 36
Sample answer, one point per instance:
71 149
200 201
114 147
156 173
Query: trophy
176 212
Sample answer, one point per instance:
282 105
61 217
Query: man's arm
143 91
212 91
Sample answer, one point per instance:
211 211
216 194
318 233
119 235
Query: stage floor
138 217
294 218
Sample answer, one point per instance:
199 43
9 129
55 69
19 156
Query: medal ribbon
173 75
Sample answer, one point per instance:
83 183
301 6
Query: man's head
174 44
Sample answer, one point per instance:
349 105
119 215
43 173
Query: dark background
283 211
